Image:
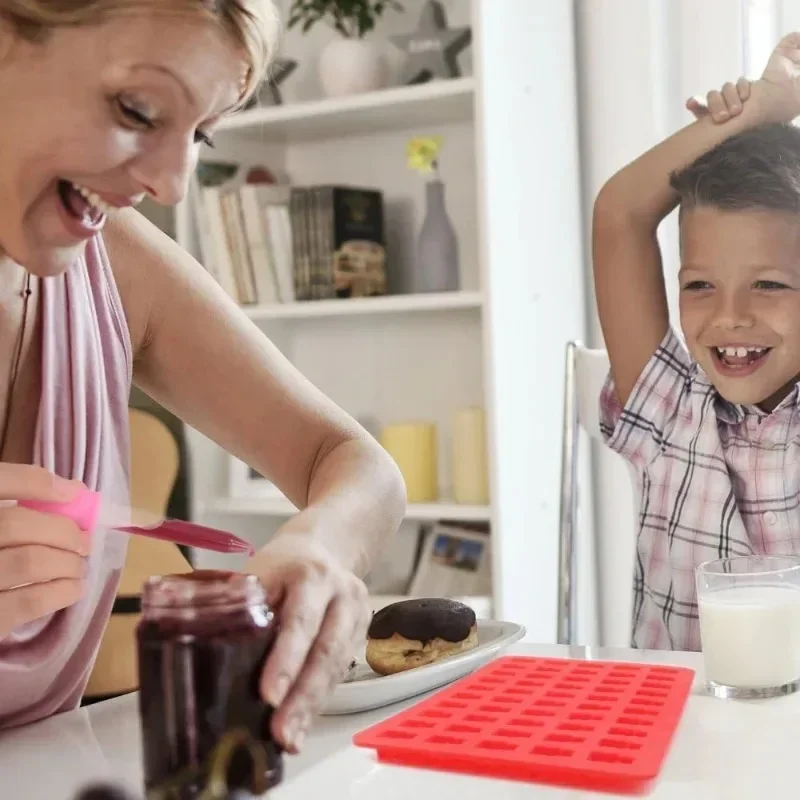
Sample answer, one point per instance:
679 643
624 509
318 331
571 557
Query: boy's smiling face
740 300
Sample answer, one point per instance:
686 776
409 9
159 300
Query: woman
108 101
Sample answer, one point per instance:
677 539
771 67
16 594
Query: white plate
364 689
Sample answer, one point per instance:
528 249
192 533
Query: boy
712 427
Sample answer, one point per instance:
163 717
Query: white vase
352 66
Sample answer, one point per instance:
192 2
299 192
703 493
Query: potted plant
350 63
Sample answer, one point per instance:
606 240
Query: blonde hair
252 24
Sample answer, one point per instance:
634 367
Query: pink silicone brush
90 510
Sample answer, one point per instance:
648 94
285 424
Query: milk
751 635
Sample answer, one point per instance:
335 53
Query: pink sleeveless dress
82 433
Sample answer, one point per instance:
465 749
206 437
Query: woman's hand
323 612
42 563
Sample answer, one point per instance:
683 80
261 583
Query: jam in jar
202 641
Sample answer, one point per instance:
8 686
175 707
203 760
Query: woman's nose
164 171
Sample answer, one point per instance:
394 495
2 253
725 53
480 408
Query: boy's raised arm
628 275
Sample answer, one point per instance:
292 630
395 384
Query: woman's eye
769 286
203 138
135 115
138 117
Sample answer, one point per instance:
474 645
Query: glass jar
202 640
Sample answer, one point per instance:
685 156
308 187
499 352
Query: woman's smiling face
99 116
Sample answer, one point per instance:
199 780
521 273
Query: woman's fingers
301 617
33 564
28 482
22 526
26 603
323 668
42 556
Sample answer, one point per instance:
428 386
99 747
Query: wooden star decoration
433 47
269 93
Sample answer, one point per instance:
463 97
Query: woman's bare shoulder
147 264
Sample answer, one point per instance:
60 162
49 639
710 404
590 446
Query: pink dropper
85 512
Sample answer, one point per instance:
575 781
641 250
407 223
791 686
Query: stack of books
276 243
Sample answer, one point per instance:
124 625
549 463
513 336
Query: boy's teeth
93 198
739 352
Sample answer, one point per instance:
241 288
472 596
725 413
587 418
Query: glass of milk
749 610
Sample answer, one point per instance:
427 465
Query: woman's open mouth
739 360
83 206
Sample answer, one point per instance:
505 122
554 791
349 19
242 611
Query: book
339 242
271 243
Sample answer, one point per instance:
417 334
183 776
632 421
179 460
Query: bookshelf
281 507
390 304
497 342
403 106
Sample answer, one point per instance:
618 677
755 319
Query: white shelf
281 507
390 304
423 105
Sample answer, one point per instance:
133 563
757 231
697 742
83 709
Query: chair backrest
155 461
595 573
591 371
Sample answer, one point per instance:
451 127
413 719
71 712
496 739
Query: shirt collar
736 413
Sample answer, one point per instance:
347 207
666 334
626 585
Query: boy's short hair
755 170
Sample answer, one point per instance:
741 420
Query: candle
413 447
470 472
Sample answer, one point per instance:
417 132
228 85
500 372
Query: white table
723 750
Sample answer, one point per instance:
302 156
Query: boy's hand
721 105
778 90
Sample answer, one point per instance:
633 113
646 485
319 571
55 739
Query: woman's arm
198 355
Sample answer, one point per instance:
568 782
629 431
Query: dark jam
202 641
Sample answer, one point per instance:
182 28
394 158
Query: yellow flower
422 153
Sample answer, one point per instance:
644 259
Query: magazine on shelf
455 561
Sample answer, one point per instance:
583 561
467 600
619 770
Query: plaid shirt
716 479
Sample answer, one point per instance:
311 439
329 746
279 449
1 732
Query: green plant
353 19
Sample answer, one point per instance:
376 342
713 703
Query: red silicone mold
598 725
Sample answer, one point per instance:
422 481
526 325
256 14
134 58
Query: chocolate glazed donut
412 633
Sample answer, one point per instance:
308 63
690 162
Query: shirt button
770 517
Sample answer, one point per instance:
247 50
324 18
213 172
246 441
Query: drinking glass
749 609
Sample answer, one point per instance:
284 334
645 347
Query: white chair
595 576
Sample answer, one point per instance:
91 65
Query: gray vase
436 265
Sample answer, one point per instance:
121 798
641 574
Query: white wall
533 278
